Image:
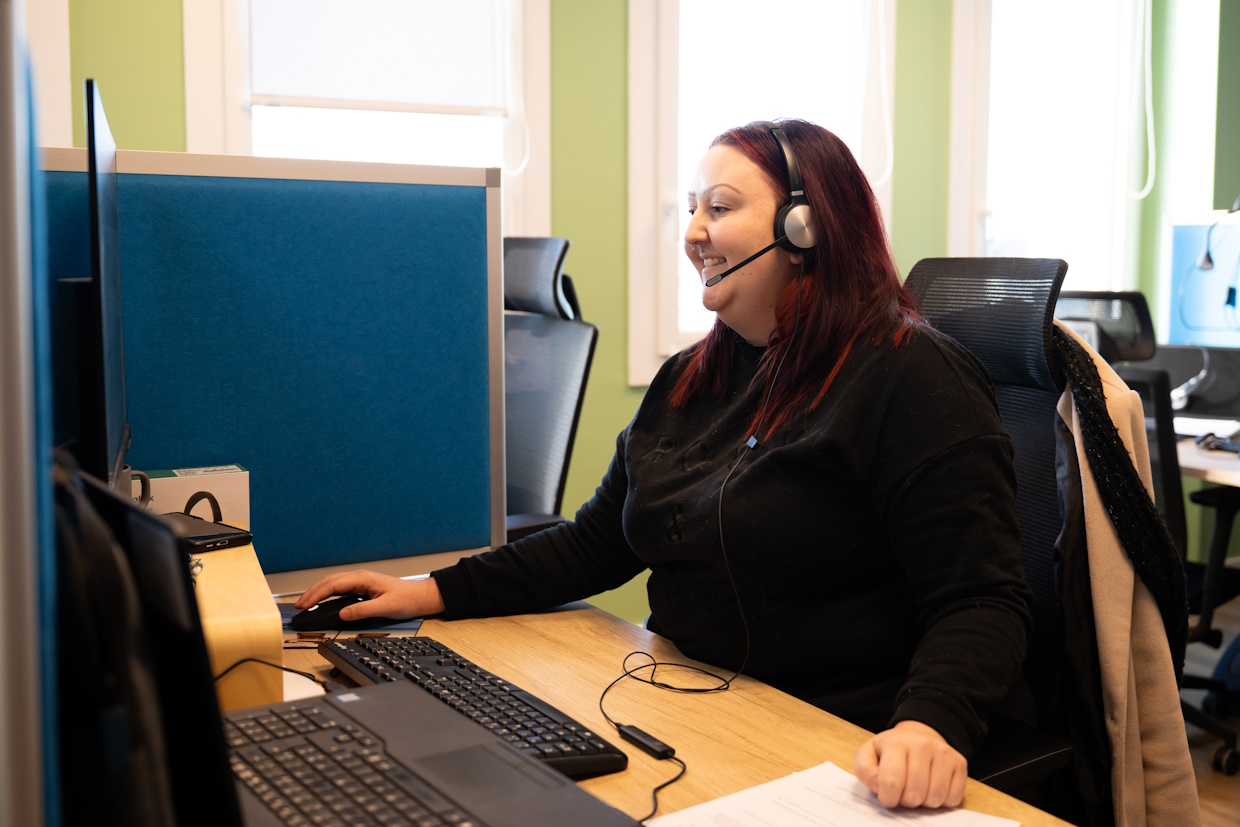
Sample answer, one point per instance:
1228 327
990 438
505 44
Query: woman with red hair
821 488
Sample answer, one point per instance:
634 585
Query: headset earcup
795 223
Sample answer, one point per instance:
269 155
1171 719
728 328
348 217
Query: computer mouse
325 616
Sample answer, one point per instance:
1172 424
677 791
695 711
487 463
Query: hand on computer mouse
387 596
326 616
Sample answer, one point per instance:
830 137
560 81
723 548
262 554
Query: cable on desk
328 686
654 795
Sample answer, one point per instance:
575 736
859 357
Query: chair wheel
1216 706
1226 760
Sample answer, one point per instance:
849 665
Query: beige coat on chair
1152 778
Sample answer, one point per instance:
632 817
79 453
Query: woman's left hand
911 765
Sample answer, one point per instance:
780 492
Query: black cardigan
873 540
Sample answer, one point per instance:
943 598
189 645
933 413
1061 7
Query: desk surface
731 740
1221 467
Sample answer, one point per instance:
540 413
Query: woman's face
733 216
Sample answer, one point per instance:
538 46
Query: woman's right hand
389 596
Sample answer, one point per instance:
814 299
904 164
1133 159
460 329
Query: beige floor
1219 794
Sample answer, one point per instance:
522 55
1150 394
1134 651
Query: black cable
654 795
750 444
724 683
324 684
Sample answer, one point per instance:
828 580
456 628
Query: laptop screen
201 782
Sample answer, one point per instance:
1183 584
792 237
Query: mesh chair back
533 276
546 363
1001 311
1154 388
1125 329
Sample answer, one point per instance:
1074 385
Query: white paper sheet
822 796
297 687
1192 426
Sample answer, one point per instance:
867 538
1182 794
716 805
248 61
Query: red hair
849 290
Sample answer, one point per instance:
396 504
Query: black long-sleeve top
872 541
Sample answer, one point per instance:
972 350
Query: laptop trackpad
476 772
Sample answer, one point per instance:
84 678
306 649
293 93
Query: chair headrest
1122 319
1000 309
533 277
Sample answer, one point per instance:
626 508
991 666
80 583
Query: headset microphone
713 280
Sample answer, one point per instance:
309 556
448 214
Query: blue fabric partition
331 337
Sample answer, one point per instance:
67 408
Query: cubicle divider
335 328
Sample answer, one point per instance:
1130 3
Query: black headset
793 222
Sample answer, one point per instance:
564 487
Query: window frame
968 216
218 98
654 246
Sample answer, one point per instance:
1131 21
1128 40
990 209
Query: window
692 74
1049 134
465 83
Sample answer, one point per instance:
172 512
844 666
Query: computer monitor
156 668
1204 285
103 421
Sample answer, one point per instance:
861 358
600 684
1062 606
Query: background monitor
1204 291
95 313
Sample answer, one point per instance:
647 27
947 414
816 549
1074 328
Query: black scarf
1138 523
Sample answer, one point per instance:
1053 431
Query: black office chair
547 355
1210 584
1126 334
1120 321
1000 310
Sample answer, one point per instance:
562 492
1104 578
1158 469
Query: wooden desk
729 740
1221 467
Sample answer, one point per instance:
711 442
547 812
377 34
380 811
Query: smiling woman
733 208
823 460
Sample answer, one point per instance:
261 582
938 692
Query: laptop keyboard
523 720
309 768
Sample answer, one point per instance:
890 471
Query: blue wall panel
331 337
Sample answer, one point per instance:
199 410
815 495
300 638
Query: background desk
1220 467
729 740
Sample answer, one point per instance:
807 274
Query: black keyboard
523 720
308 769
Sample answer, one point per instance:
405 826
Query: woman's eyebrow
713 187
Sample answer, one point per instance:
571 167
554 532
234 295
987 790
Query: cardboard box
229 484
240 620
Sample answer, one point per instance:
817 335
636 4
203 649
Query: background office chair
547 355
1119 322
1210 584
1127 334
1000 310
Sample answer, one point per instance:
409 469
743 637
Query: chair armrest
1015 756
522 525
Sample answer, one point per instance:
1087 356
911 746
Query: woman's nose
695 233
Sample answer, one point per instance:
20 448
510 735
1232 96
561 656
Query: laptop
383 754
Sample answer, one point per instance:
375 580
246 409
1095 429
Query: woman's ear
796 258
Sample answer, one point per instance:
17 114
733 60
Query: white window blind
416 55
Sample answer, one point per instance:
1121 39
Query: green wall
1227 127
921 130
133 49
589 205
